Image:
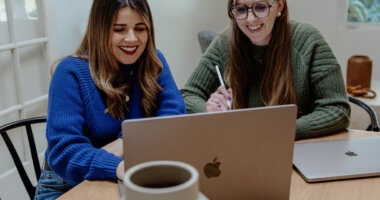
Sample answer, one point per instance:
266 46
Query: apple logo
212 169
351 153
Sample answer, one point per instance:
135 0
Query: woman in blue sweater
116 74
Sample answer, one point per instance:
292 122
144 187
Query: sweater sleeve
170 101
204 79
331 109
70 153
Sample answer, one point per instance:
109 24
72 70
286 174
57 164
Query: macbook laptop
337 159
239 154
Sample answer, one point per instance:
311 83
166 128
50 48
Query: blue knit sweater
77 127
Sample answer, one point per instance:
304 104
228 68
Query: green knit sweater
319 86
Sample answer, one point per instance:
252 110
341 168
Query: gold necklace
127 98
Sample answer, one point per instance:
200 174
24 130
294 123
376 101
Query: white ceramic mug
162 180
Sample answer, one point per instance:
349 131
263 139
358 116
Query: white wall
177 23
328 16
71 19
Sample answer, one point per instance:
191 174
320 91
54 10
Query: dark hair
276 86
96 49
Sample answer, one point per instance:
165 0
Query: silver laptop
240 154
337 159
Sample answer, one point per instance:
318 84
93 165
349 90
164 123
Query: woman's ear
281 4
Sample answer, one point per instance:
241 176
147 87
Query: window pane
3 13
7 81
367 11
34 71
4 33
28 22
31 8
38 110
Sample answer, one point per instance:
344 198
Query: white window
24 78
3 13
31 9
363 11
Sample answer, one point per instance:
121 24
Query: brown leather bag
359 72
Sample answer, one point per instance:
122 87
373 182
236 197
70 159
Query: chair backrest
205 38
16 158
374 125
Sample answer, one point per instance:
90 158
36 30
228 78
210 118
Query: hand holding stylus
221 100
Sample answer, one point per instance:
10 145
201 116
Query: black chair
374 125
205 38
16 158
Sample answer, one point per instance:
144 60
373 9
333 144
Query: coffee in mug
162 180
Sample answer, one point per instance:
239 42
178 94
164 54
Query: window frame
14 47
354 25
23 107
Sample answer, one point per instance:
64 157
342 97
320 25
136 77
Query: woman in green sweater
267 60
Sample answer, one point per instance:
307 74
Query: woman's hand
218 101
120 170
115 147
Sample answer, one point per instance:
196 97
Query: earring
278 14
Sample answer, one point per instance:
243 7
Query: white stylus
221 82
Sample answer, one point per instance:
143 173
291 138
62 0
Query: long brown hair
95 48
276 86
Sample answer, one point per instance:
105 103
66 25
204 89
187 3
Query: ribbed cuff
200 107
301 128
194 105
104 166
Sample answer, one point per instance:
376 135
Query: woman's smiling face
129 36
259 30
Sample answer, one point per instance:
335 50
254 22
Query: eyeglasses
260 9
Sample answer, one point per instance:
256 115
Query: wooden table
367 188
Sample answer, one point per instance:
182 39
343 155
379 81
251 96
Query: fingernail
229 98
219 106
229 108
